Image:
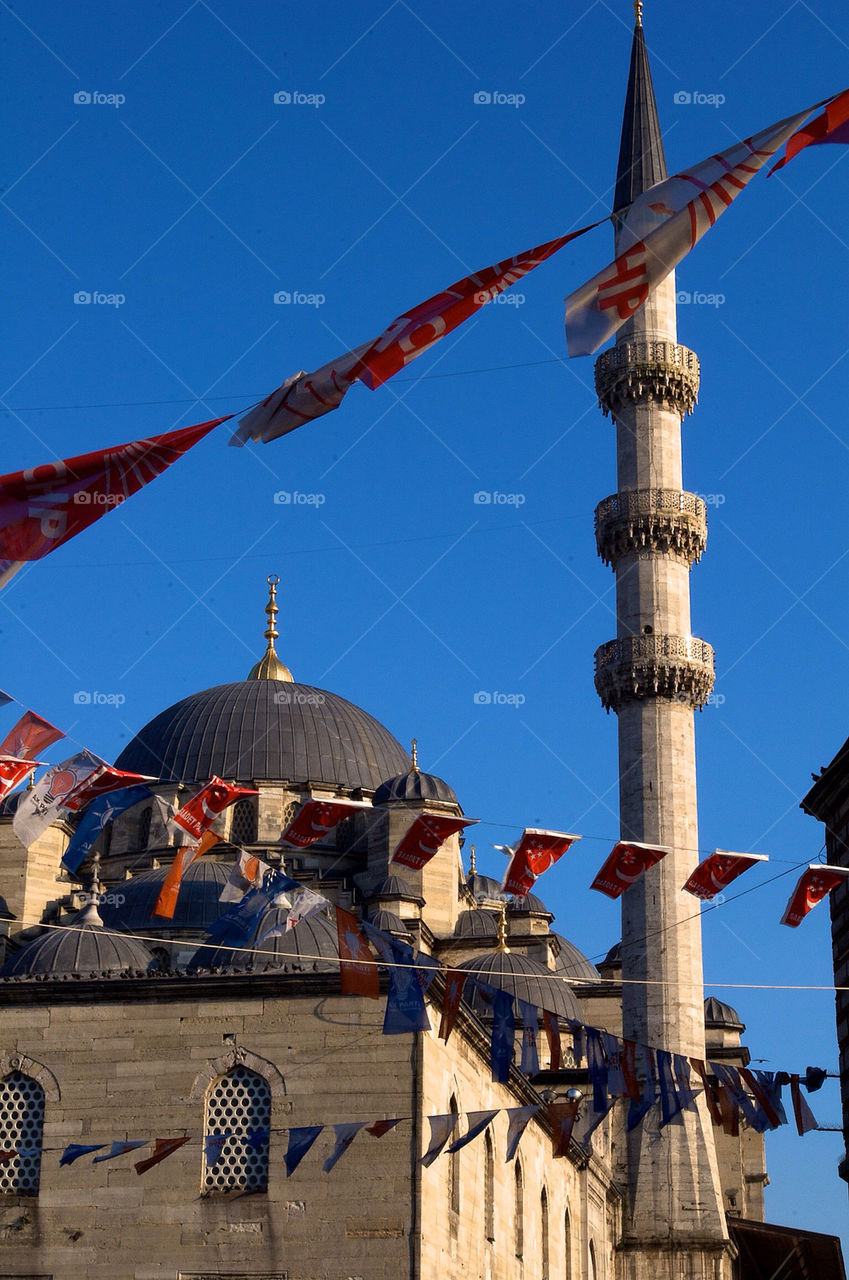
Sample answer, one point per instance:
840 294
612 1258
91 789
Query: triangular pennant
163 1148
300 1141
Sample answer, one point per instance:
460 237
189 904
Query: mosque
127 1027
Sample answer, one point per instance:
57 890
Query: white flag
660 228
305 903
301 398
41 806
246 874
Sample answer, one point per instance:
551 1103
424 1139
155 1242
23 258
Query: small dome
572 963
310 947
614 955
128 905
720 1014
391 887
83 950
414 785
476 924
527 980
484 887
389 923
530 903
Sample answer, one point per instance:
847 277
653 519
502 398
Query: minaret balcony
667 521
632 668
647 372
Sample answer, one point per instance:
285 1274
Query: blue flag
670 1103
213 1148
520 1118
345 1135
597 1065
405 1006
300 1141
503 1034
530 1031
75 1150
648 1097
257 1138
121 1149
101 811
477 1122
237 926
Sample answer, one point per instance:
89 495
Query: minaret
654 675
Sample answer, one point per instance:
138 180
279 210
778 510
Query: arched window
21 1124
454 1165
519 1211
488 1189
544 1245
238 1109
145 818
567 1246
244 826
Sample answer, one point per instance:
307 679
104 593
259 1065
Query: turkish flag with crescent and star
99 783
316 817
424 838
831 126
627 861
13 771
201 811
813 885
718 871
42 507
29 736
536 851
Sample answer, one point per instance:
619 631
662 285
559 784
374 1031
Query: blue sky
198 197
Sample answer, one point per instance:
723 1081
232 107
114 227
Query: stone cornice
631 668
647 372
642 520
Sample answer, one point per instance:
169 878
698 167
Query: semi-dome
83 950
572 963
720 1014
391 886
414 786
531 904
310 947
129 904
262 728
527 980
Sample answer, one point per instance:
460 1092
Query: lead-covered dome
527 980
263 728
82 950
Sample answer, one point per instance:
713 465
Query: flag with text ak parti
39 807
96 817
30 736
813 885
627 861
536 851
358 975
42 507
424 838
316 817
718 871
200 812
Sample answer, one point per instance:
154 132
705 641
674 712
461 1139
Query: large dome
272 729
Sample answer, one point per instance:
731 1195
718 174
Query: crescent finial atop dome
269 666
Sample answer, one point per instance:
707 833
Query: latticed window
21 1124
244 827
145 819
238 1109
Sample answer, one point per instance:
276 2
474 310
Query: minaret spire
642 162
269 666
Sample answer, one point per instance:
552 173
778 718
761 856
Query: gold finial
269 666
638 12
473 866
502 931
414 752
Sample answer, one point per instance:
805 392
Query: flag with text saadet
358 974
42 507
30 736
316 817
659 228
718 871
13 772
536 851
626 862
201 811
813 885
424 838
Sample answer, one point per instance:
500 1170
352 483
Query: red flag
424 838
831 126
552 1035
6 1156
718 871
102 780
627 861
357 969
166 903
711 1090
42 507
628 1062
536 851
813 885
202 810
13 771
316 817
805 1120
305 396
562 1117
163 1148
761 1097
455 981
32 733
380 1127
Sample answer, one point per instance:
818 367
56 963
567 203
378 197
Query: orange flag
357 969
164 1148
166 903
